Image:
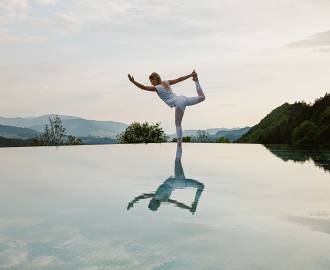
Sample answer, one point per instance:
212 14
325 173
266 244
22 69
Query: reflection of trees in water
284 152
165 190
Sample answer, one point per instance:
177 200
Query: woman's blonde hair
155 76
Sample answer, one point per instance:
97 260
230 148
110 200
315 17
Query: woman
165 190
165 92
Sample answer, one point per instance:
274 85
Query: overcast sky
72 57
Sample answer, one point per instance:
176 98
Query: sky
72 57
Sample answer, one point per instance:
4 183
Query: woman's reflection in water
164 191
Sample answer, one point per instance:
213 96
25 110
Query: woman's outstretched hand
130 77
194 75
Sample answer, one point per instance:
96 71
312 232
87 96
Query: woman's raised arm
138 198
143 87
180 79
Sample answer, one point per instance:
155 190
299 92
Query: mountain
74 125
297 124
17 132
230 133
31 121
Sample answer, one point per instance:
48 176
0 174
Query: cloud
320 224
8 222
45 261
46 2
3 21
12 257
14 5
323 50
118 21
22 5
61 22
122 19
8 37
15 250
317 40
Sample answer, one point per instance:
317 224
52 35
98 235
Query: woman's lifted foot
194 74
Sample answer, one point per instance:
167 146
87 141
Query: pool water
219 206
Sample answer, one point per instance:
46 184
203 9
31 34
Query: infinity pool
220 206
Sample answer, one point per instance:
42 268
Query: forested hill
6 142
298 124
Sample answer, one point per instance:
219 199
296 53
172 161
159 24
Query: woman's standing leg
178 119
178 169
181 104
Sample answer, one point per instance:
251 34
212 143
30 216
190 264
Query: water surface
221 206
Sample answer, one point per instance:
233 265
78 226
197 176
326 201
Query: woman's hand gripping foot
194 75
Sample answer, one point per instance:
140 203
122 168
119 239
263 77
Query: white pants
182 101
180 106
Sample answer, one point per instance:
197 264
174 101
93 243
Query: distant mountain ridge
17 132
230 134
28 122
74 125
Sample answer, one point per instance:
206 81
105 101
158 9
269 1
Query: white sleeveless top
167 96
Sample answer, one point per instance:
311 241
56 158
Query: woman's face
153 81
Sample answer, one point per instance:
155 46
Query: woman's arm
179 204
180 79
138 198
143 87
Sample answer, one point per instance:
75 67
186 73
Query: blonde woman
164 91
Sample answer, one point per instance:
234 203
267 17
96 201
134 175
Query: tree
55 134
222 140
72 140
184 139
142 133
323 135
325 116
304 134
201 137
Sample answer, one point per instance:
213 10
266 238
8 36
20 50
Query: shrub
142 133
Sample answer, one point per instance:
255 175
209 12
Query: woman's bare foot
195 78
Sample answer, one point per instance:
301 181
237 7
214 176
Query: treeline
203 137
299 125
8 142
153 133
